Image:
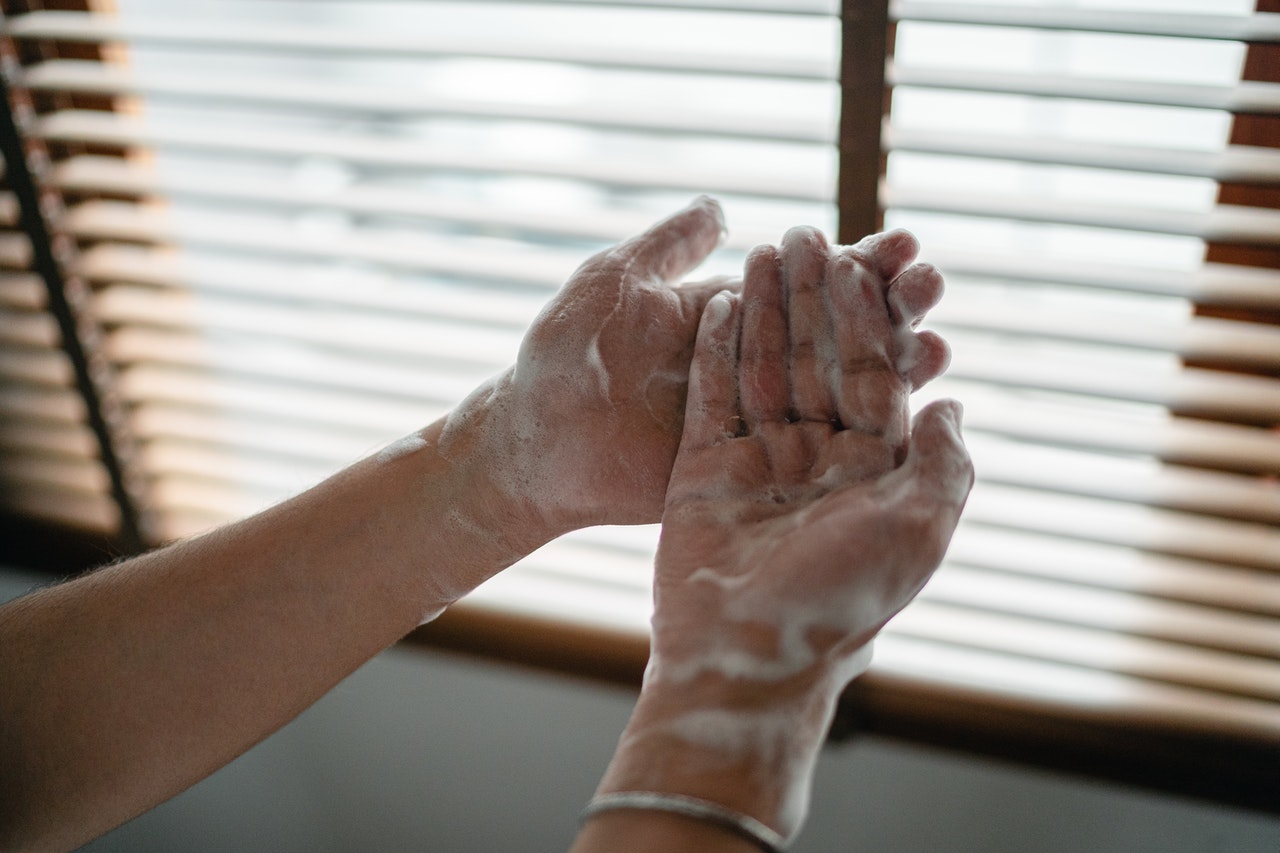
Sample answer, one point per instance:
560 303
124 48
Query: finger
938 471
673 247
711 413
709 287
870 395
913 293
812 358
763 378
922 357
694 295
887 253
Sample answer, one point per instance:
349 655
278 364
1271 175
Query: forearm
125 687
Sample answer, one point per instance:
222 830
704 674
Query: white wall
427 752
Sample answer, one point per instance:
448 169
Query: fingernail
718 308
957 413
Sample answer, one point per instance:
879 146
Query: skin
607 358
124 687
799 518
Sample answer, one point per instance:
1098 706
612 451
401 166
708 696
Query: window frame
1115 744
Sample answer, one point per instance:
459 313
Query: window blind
309 228
1121 547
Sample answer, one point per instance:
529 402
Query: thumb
673 247
938 471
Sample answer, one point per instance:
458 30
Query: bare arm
124 687
801 515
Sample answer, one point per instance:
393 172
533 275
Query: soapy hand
583 429
798 506
802 513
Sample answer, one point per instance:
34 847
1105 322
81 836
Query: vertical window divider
865 40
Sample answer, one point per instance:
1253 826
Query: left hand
583 429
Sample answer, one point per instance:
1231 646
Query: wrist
496 448
750 746
454 524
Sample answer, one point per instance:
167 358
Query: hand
800 517
791 505
584 428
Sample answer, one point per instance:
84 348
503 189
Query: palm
789 505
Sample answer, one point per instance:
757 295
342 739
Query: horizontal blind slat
92 174
29 329
15 250
119 220
22 290
332 42
312 284
411 340
1248 164
1209 444
1208 493
1091 565
1202 339
36 366
41 402
82 475
81 511
348 101
1258 27
1177 534
1224 396
1123 612
83 126
46 436
1222 223
214 391
1106 651
10 212
1244 97
362 376
1044 687
1211 284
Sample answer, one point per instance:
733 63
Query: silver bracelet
743 825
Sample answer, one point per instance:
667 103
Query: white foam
402 447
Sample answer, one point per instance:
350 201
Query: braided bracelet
743 825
